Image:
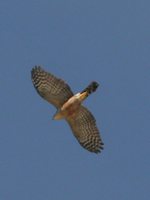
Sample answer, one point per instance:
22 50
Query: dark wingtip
34 69
100 148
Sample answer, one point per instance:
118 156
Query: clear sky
79 41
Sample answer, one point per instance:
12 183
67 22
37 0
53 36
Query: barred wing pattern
51 88
84 128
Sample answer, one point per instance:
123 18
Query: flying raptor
69 107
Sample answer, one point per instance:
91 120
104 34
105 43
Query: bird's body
69 107
72 106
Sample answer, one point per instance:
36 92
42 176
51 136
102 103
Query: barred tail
91 88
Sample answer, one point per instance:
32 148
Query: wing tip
93 148
97 149
35 68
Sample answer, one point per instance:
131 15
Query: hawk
69 107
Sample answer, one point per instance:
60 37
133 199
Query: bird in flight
69 107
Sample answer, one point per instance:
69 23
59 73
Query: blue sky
79 41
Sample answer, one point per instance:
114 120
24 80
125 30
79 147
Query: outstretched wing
83 125
51 88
